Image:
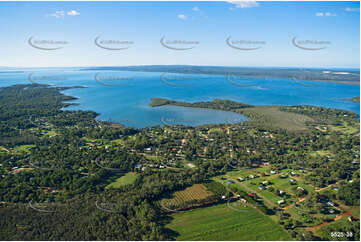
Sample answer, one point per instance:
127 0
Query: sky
247 33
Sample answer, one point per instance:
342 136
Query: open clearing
222 223
269 116
128 178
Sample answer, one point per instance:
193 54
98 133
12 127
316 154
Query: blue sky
272 25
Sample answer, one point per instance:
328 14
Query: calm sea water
124 97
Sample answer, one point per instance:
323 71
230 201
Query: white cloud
195 8
73 13
326 14
62 14
244 4
182 16
352 9
57 14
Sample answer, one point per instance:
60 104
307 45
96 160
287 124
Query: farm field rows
222 223
192 193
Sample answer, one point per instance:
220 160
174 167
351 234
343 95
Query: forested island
225 105
310 74
291 172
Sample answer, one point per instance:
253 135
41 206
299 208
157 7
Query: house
223 197
330 203
251 176
161 167
230 181
331 211
281 192
265 183
261 187
251 194
292 180
240 178
281 202
148 149
273 172
300 188
293 173
283 176
335 188
350 219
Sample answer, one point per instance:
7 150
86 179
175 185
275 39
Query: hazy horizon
281 67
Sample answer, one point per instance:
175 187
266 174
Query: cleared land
270 116
128 178
193 193
222 223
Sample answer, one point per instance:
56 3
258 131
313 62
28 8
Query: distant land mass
335 75
225 105
355 99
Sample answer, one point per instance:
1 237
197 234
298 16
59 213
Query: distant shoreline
346 76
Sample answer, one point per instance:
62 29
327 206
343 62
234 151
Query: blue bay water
124 96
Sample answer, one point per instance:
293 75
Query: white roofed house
281 202
330 203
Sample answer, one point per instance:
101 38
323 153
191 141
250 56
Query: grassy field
153 157
344 128
25 148
275 181
128 178
269 116
49 133
356 212
285 185
222 223
195 192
